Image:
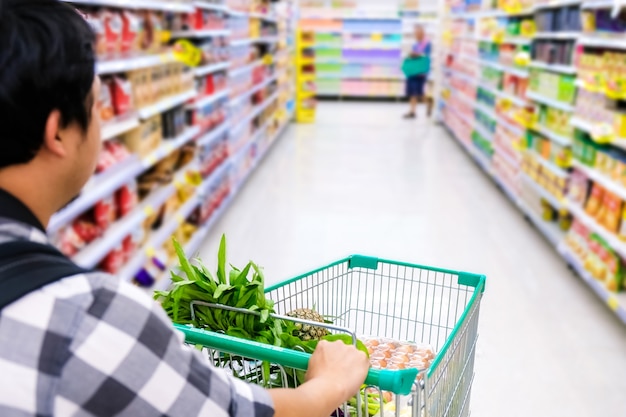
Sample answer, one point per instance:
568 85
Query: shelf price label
613 303
602 133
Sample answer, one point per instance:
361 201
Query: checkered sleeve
127 360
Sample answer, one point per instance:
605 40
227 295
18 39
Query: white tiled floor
361 180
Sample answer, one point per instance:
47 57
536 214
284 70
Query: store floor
362 180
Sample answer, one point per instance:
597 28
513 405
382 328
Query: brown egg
406 349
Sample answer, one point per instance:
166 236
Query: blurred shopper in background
417 68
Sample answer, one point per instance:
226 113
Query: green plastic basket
416 66
376 297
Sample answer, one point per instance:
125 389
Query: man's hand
336 373
340 365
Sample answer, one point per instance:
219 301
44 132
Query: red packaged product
112 21
131 33
127 199
105 160
114 261
122 95
105 212
129 247
97 25
86 230
117 150
105 102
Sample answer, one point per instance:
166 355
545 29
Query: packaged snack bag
112 21
107 112
594 203
121 92
132 27
126 199
105 212
612 213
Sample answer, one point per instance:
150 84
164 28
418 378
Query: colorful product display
179 139
557 134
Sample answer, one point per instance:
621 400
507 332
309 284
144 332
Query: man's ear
53 135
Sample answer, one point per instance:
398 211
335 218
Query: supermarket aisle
363 180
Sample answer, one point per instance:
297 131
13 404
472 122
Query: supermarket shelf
555 4
138 4
460 75
616 244
549 101
598 4
511 127
210 136
93 253
558 35
169 146
549 230
337 94
556 170
554 137
480 14
601 179
486 110
588 127
614 42
105 184
207 33
249 41
196 241
615 302
504 155
245 68
321 76
478 157
119 125
555 202
205 101
505 68
563 69
247 94
210 69
257 110
266 39
158 238
502 94
210 6
131 64
166 104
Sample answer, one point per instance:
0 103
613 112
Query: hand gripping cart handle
398 382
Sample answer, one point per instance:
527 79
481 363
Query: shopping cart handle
398 382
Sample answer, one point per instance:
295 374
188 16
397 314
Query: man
415 84
88 344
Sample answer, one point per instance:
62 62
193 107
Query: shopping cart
372 297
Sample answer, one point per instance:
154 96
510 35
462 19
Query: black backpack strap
27 266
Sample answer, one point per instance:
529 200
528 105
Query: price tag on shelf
150 251
148 211
166 36
151 159
602 133
613 303
179 219
377 37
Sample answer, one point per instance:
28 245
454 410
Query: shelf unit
268 118
458 111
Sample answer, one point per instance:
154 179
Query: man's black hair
47 62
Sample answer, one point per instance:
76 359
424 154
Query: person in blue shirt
415 84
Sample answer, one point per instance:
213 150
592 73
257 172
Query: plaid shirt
91 345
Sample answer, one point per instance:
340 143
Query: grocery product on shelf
558 125
171 114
